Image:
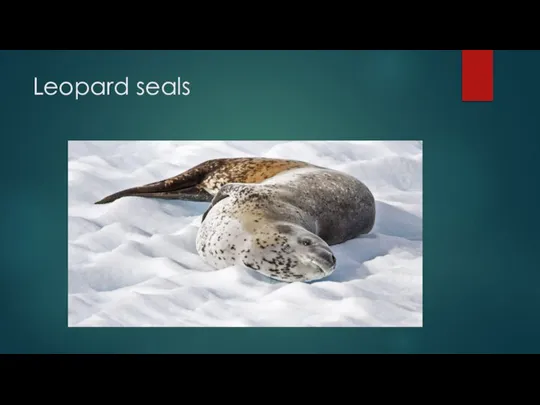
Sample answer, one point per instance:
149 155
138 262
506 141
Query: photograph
245 233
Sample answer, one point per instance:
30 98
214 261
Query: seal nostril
328 257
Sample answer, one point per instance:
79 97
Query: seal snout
324 260
327 259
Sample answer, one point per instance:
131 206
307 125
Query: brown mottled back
202 182
247 170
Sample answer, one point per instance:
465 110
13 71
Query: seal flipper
218 197
194 193
185 186
224 192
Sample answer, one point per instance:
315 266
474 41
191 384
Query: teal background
481 273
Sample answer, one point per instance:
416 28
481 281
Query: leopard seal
277 217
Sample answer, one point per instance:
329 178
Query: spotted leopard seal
275 216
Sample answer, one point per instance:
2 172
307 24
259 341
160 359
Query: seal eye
306 242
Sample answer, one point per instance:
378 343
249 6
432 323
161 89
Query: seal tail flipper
185 186
195 193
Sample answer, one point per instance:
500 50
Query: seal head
248 225
288 252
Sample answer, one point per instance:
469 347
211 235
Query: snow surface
133 262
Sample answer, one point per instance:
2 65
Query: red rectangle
477 75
